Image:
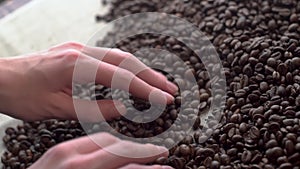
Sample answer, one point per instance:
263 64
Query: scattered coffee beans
258 44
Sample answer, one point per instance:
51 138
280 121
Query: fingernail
169 97
163 150
160 97
121 108
172 87
167 167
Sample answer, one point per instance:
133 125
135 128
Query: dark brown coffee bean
257 158
285 166
254 132
274 152
246 156
232 152
240 93
10 131
289 147
184 150
264 86
282 159
296 61
161 161
282 68
294 158
243 127
271 144
215 165
293 27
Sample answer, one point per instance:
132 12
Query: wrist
6 76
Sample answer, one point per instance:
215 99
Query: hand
39 86
85 153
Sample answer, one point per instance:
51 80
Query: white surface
6 122
41 24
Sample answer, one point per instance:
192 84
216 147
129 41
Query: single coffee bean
246 156
184 150
274 152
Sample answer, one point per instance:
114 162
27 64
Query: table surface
39 24
8 6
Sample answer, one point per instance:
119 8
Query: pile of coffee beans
258 44
27 143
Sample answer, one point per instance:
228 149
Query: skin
38 86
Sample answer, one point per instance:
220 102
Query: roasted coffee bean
246 156
285 166
184 150
274 153
272 143
215 165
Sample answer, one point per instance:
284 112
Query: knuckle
60 151
70 54
74 45
74 163
124 76
123 54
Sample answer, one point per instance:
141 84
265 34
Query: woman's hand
39 86
84 153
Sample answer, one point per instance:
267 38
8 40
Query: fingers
137 166
123 153
65 107
127 61
92 143
116 77
123 60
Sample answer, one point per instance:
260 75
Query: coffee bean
184 150
254 132
243 127
215 165
294 158
271 144
257 158
282 68
232 152
264 86
274 153
236 118
293 27
285 166
161 161
296 61
240 93
246 156
289 147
